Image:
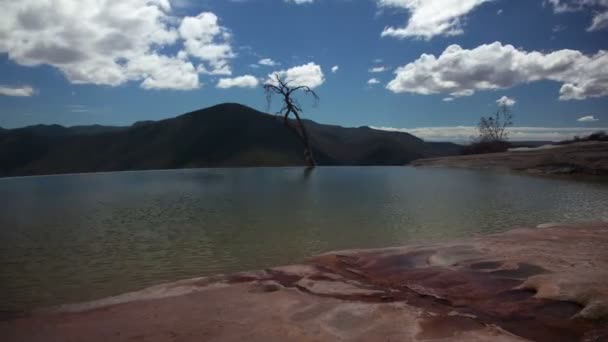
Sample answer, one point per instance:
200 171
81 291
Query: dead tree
492 129
291 106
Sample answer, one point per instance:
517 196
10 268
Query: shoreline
587 160
540 284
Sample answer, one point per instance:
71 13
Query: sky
431 68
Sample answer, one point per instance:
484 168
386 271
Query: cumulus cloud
465 133
24 91
114 42
373 81
462 72
162 72
430 18
598 7
267 62
588 118
205 39
506 101
310 75
335 69
247 81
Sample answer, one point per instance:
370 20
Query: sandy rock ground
529 284
587 158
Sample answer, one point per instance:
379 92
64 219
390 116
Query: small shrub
482 147
597 136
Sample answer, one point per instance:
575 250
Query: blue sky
441 63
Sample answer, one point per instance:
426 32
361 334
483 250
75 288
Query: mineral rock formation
538 284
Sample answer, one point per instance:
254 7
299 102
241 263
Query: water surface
80 237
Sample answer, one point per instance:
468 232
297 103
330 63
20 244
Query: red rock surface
538 284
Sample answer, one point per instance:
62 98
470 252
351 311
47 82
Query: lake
80 237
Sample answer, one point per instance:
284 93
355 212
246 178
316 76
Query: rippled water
80 237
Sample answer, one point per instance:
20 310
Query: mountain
226 135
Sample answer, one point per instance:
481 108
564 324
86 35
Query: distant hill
226 135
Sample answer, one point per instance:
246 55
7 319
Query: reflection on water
79 237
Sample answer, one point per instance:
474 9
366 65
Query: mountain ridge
224 135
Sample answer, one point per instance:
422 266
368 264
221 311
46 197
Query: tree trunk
303 135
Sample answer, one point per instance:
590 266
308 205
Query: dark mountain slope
221 136
366 146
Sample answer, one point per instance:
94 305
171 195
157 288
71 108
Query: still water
80 237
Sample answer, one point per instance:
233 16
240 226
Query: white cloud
378 69
558 28
462 72
465 133
598 7
310 75
335 69
247 81
223 70
430 18
206 40
24 91
600 22
300 2
560 6
462 93
373 81
78 108
499 12
506 101
447 99
588 118
267 62
114 42
163 72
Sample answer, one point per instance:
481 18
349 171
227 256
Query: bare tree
494 128
291 106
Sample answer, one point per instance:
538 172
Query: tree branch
291 106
